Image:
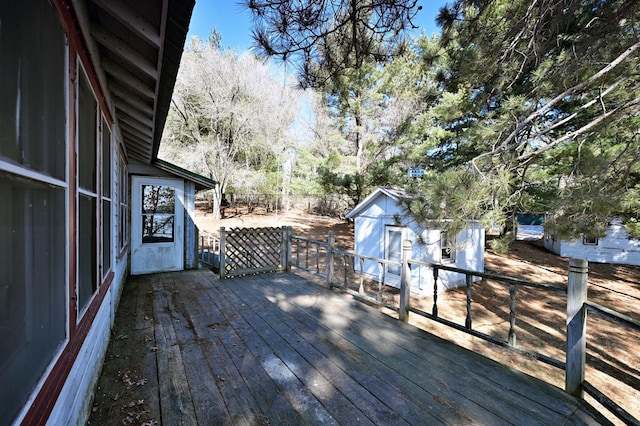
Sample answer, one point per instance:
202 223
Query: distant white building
380 227
616 247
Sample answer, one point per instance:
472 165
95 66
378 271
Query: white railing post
576 326
330 259
405 282
222 253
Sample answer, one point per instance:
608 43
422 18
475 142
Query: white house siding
190 242
63 173
120 275
616 247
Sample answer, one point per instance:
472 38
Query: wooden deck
190 349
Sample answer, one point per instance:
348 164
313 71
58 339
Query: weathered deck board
176 404
390 378
129 373
443 365
274 349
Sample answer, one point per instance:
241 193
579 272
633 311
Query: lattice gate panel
245 251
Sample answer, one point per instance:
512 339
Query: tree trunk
359 143
217 201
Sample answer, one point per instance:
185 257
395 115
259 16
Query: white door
157 225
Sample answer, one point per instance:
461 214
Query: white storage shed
380 226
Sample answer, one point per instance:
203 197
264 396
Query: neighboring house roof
394 193
139 45
200 181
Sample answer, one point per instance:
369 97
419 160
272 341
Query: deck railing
624 321
345 271
208 249
347 274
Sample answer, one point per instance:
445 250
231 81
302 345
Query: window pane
106 237
32 286
87 263
123 199
394 250
87 108
122 214
446 246
158 199
157 228
158 208
32 82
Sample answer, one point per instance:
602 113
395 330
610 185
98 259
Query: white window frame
446 242
94 195
106 176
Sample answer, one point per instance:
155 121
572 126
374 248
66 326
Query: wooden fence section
246 251
251 251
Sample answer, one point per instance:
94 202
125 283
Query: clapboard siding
616 247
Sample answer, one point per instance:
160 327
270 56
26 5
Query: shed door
157 225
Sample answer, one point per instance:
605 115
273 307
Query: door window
393 248
158 213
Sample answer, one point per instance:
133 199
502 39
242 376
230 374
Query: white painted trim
21 171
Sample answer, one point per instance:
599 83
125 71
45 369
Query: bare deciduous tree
230 113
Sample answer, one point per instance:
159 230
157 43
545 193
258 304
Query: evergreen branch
570 117
572 90
589 126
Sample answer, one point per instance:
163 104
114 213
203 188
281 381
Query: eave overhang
136 48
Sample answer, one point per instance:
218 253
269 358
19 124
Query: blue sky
233 21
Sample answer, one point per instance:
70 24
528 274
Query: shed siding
616 247
190 238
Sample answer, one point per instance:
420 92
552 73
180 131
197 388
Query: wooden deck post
222 260
330 259
286 248
576 326
405 282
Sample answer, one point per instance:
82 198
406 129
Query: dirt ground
612 360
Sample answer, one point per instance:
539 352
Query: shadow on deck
188 348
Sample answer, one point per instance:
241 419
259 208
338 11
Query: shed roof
200 181
394 193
